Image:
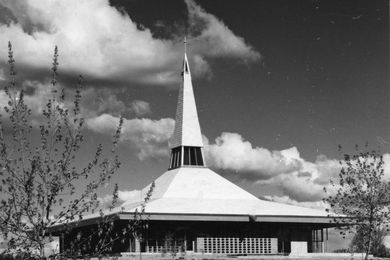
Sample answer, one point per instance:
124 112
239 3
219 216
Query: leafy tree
100 239
377 247
362 195
39 182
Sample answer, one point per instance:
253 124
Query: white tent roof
199 190
199 194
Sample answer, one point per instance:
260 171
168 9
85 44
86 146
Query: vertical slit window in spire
199 156
186 67
171 161
175 158
178 159
196 159
186 155
192 156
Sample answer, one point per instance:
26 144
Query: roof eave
233 218
328 221
59 228
296 219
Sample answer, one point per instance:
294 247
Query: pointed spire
187 129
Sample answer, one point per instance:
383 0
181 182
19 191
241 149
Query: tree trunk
42 251
368 246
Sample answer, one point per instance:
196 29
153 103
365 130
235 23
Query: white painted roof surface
199 190
187 129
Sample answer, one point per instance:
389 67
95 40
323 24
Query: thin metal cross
185 44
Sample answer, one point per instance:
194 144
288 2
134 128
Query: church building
193 209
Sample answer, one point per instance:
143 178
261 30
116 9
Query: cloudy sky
279 84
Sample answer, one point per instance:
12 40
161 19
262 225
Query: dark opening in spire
192 156
186 67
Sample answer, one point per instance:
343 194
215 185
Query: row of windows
192 156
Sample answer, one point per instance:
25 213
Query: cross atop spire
186 142
185 45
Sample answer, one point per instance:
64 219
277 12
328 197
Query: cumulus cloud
88 44
305 187
320 205
291 178
97 101
326 169
123 196
2 75
101 42
149 136
301 189
284 172
36 96
94 102
86 38
386 167
231 152
101 110
213 38
140 107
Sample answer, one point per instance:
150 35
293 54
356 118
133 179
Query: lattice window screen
229 245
